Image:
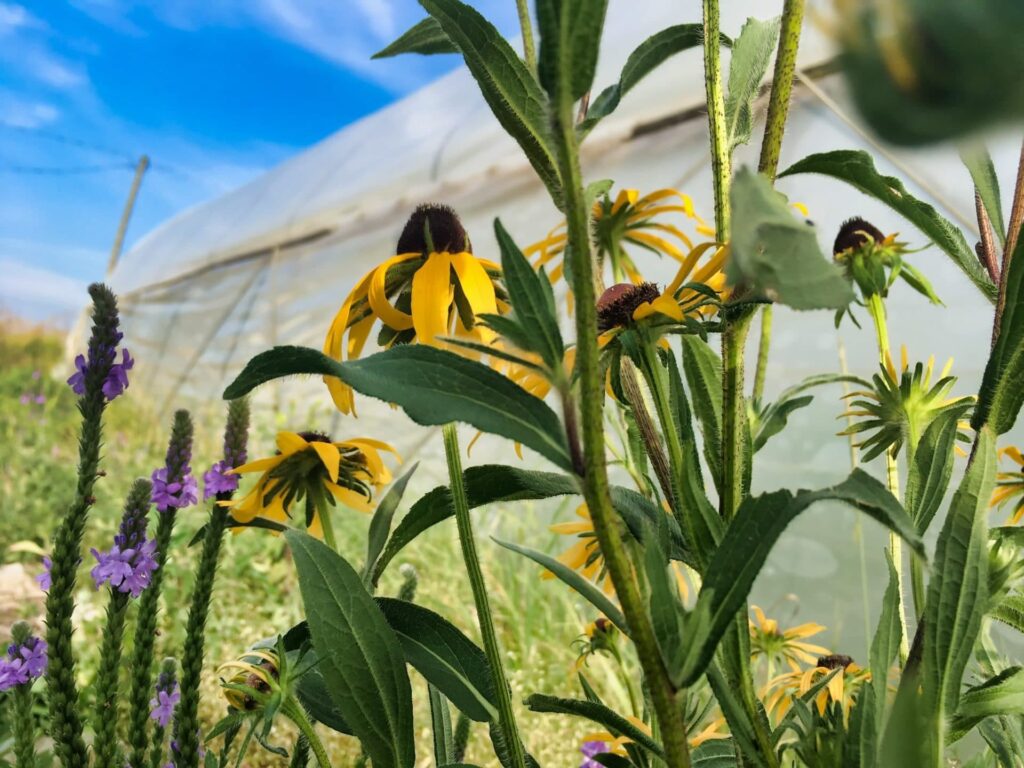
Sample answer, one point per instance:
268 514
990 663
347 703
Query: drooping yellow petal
257 465
377 296
625 197
330 456
289 443
332 344
476 285
431 297
349 498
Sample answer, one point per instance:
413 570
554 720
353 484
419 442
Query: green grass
257 593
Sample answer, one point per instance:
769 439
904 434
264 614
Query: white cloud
24 284
13 16
18 113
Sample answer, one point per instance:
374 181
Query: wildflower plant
647 376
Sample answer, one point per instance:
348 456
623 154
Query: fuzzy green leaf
425 37
957 589
776 254
983 174
485 484
508 87
647 57
433 386
359 655
857 168
448 659
775 416
441 727
932 467
703 370
380 523
532 300
1010 611
1001 395
578 583
667 613
716 753
1000 695
597 713
751 54
746 545
570 37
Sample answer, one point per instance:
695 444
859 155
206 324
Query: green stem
596 491
297 714
328 525
105 743
735 445
24 726
876 308
721 162
506 715
195 634
763 348
782 87
529 51
142 662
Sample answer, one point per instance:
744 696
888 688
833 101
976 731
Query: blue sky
214 91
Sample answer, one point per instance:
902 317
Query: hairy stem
648 433
721 162
1012 234
104 742
782 87
24 726
297 714
763 348
529 51
506 715
607 525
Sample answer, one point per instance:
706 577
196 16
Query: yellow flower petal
289 443
384 309
330 456
258 465
349 498
431 297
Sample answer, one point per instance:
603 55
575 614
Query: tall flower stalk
219 486
26 660
460 503
162 708
128 568
173 488
98 380
595 477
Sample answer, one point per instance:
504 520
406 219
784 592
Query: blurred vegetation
257 592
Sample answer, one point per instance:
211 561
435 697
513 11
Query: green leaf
380 523
884 648
448 659
983 174
775 416
640 514
736 715
1000 695
1001 395
1010 611
485 484
316 698
441 727
433 386
857 168
507 86
703 369
598 713
751 54
777 254
647 57
532 301
745 547
578 583
956 590
932 467
717 753
570 37
360 657
667 612
426 37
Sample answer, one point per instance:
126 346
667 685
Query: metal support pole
115 251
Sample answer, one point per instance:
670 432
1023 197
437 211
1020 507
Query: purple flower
77 379
40 398
129 570
43 579
177 494
25 398
217 480
24 663
589 750
117 380
162 705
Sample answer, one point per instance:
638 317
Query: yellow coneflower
1010 485
783 689
309 465
585 555
628 221
246 678
901 405
767 639
875 261
596 742
434 287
